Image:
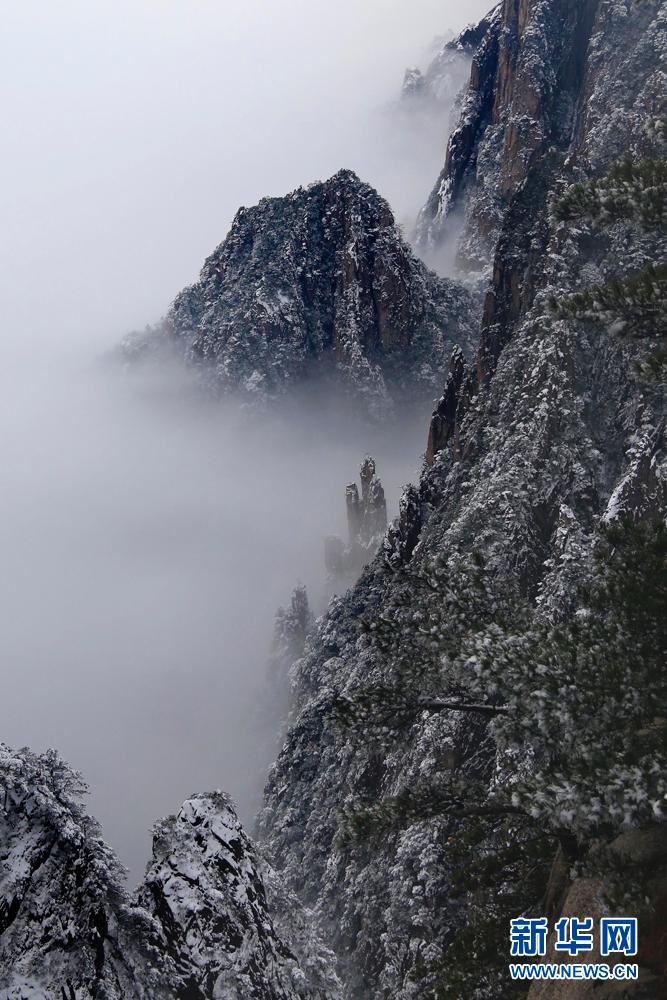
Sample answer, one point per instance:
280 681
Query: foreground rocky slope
318 286
203 923
544 436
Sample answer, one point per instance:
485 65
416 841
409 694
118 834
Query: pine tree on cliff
632 305
575 711
291 628
571 708
579 699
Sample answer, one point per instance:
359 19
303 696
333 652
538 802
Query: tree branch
467 811
435 705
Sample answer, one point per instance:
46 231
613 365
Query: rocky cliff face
67 929
529 448
448 68
543 437
203 924
459 170
318 286
205 886
366 525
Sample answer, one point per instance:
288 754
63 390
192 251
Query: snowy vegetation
317 287
477 727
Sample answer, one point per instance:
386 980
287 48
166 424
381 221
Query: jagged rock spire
366 514
366 524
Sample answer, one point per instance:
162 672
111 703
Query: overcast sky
134 129
146 540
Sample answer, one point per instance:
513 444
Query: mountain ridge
531 447
540 443
317 285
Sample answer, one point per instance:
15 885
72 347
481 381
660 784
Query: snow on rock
642 492
317 286
475 115
205 886
439 85
543 435
199 928
67 928
546 434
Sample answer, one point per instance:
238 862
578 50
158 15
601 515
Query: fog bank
147 538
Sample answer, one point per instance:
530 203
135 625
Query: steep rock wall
530 446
